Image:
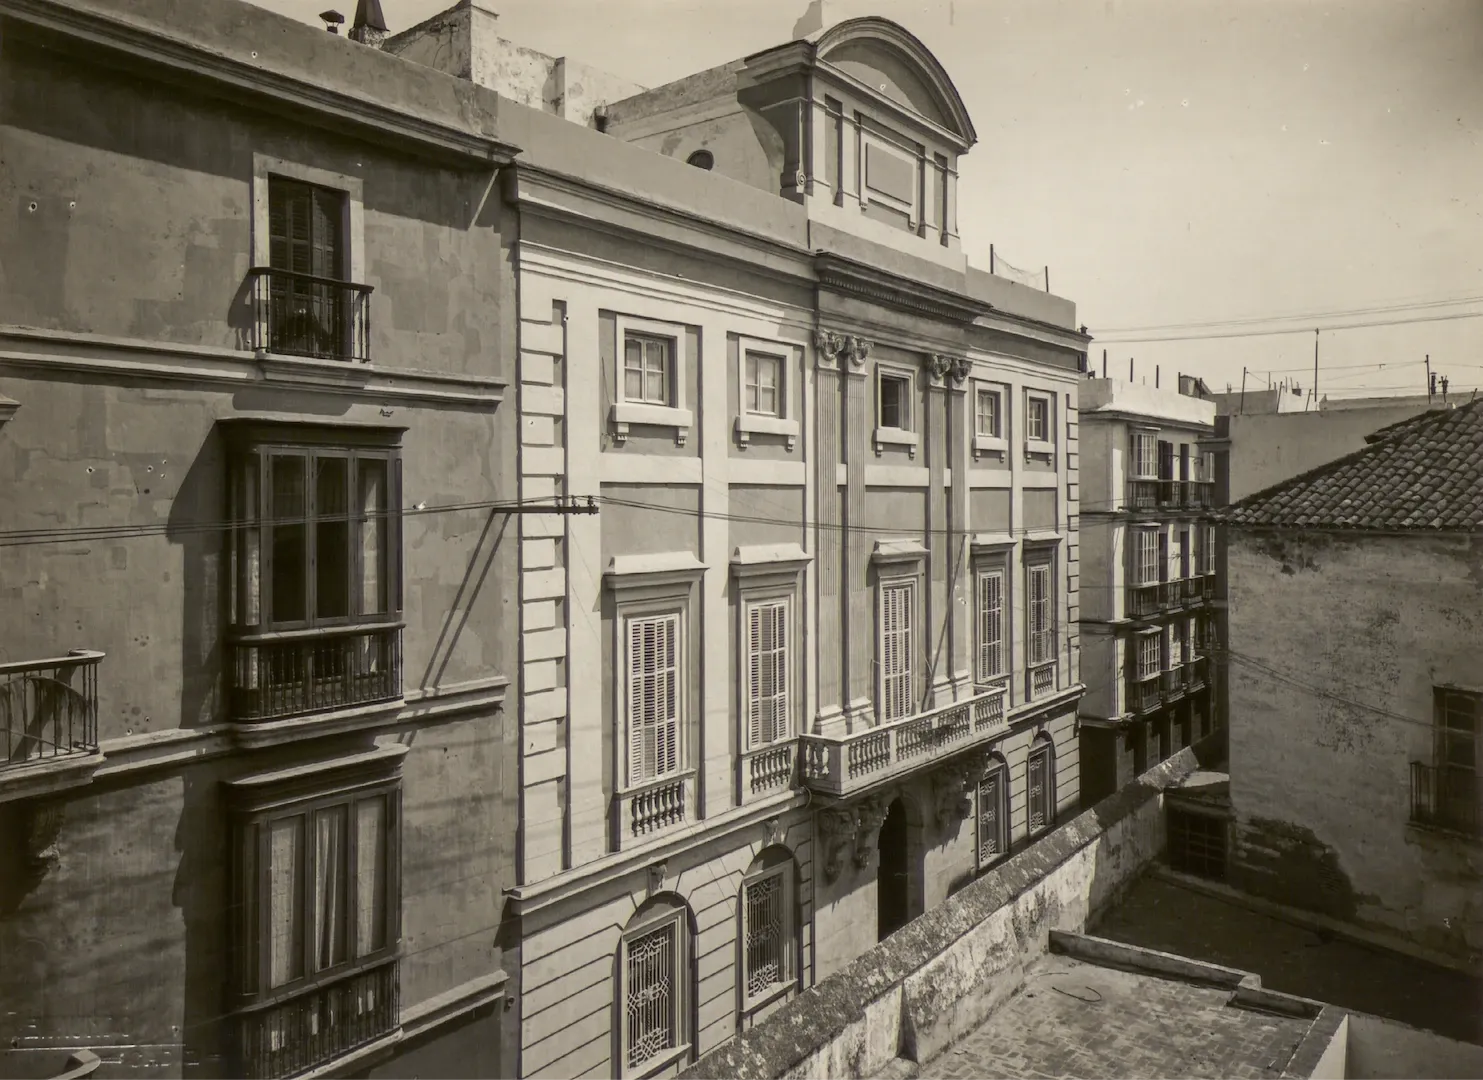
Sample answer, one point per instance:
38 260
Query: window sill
1039 448
657 1064
254 734
312 371
767 997
888 436
989 444
625 413
749 424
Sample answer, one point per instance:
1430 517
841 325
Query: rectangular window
1454 796
1148 655
764 384
993 816
653 697
1040 611
1166 460
1145 456
318 894
655 972
1182 553
1040 785
986 418
768 635
308 308
648 369
1175 643
895 402
1209 566
768 938
1184 461
898 602
1037 419
990 624
1146 556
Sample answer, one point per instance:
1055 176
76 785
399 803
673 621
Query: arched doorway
893 877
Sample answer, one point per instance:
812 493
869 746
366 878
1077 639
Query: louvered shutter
653 698
638 761
896 650
779 668
991 624
755 661
669 723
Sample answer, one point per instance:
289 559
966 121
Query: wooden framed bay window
315 574
316 924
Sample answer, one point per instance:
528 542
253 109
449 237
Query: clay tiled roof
1421 475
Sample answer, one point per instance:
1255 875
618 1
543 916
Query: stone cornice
322 105
894 290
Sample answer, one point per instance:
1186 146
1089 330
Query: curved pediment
894 62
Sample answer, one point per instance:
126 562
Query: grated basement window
1197 844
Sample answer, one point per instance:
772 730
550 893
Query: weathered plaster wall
1359 628
113 164
1381 1048
940 976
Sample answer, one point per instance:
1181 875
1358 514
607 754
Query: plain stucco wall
1352 624
1381 1049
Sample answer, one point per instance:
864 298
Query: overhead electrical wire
1300 316
1113 339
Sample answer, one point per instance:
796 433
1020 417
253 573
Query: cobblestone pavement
1074 1019
1163 915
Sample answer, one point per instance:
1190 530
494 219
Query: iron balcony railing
1163 494
319 1025
1173 682
1195 675
1200 494
1444 798
843 764
308 315
278 675
49 708
1143 495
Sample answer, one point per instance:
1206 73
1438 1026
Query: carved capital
870 815
943 368
836 830
961 368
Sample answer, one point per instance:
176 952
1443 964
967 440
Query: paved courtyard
1161 914
1075 1019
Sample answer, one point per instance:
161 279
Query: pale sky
1171 161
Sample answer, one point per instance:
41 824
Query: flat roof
1077 1019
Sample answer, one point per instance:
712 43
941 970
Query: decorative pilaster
960 570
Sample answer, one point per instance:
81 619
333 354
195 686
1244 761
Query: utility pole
1242 407
1444 389
1431 380
1315 368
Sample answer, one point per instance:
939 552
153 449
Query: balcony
1144 695
1445 798
279 675
1143 495
768 770
307 315
1194 589
654 806
49 708
1195 674
1169 495
319 1025
1040 681
1173 683
844 764
1200 494
1145 601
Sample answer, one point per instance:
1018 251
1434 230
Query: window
1041 614
315 545
1175 643
1447 793
654 973
702 159
1145 456
764 384
1166 460
1209 531
316 885
990 624
1037 419
1040 786
1182 553
993 814
309 310
654 696
987 414
895 402
1146 556
648 369
897 620
768 936
768 672
1148 654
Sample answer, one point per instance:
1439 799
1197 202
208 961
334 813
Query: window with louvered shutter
897 602
1146 556
990 624
768 717
1039 787
993 816
653 697
1041 617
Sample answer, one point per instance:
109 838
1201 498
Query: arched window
701 159
1040 785
769 928
654 987
993 812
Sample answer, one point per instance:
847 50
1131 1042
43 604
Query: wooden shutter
754 675
1040 625
778 659
991 624
767 673
653 698
896 659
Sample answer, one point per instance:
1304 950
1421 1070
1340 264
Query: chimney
332 20
369 27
